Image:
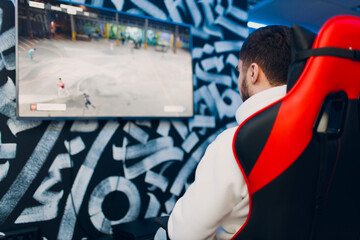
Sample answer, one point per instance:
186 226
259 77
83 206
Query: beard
244 91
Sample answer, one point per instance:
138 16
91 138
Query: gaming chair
301 155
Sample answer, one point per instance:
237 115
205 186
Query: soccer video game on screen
76 61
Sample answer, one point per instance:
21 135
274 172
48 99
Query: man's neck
259 101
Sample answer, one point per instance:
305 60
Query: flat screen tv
77 61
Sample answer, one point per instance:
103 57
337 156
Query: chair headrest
337 38
301 39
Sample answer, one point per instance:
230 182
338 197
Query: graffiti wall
76 178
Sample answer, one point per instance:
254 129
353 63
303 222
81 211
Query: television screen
76 61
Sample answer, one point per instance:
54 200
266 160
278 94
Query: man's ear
254 72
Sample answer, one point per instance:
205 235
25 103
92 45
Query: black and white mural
76 178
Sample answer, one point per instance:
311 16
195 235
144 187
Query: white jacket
216 204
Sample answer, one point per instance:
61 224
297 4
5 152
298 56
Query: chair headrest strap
327 51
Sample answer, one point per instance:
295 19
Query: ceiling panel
308 13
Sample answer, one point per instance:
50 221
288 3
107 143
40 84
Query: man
31 53
87 101
216 205
61 87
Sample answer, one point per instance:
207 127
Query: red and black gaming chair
303 181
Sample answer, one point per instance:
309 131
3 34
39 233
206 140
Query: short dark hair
269 47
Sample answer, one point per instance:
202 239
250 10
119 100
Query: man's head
264 60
